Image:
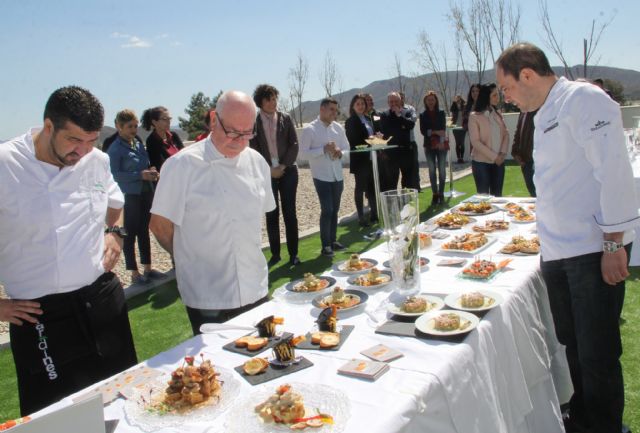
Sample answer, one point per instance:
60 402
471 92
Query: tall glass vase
401 218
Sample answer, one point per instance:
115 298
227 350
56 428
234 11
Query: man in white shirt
323 142
586 212
208 210
69 323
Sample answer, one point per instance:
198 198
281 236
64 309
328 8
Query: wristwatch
120 231
611 246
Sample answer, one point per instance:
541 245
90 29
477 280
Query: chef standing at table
208 210
69 324
586 212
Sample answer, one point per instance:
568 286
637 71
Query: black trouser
199 317
528 169
82 337
406 160
416 165
586 315
286 187
137 215
364 186
458 135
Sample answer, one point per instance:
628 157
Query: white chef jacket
312 141
216 205
51 220
583 176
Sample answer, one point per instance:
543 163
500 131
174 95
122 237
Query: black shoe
374 220
363 223
327 252
273 260
337 246
294 261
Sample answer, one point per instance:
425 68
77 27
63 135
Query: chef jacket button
88 305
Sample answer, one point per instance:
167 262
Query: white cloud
136 42
162 36
119 35
175 44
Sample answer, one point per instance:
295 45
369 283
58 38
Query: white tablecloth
508 375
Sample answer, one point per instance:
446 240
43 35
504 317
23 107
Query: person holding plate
586 213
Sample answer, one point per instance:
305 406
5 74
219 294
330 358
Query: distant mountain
415 88
110 130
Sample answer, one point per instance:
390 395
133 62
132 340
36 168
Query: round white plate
493 209
453 300
425 323
242 417
396 309
383 274
490 241
138 414
362 298
340 266
471 221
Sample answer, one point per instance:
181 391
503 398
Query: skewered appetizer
523 215
356 264
452 221
491 226
286 407
311 283
267 326
285 350
466 242
415 304
523 245
484 268
190 384
372 278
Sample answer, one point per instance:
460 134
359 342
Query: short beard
56 155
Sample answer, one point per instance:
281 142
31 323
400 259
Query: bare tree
298 76
589 44
434 60
397 70
330 77
502 23
469 30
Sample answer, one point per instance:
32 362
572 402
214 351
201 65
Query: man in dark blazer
522 149
277 142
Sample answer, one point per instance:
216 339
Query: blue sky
137 54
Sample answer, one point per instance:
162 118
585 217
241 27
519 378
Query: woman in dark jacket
161 143
130 168
457 113
358 128
433 126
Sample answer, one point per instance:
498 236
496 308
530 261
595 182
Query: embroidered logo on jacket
600 124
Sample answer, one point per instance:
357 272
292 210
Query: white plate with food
447 322
475 209
520 219
327 409
374 279
462 249
148 411
347 300
454 221
311 284
414 306
476 300
355 265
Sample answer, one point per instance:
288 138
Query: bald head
232 122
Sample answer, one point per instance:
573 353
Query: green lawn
159 321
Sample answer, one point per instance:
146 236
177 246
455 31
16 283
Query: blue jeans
329 194
489 178
437 159
528 168
586 314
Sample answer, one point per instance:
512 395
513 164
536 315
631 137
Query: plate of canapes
453 221
343 300
468 243
481 269
197 391
519 245
477 300
311 283
479 208
292 406
374 279
447 322
417 305
492 226
355 265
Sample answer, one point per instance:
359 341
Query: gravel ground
308 211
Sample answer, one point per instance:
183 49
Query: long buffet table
508 375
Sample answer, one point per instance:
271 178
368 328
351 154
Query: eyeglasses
237 134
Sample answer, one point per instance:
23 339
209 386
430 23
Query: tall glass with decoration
401 217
